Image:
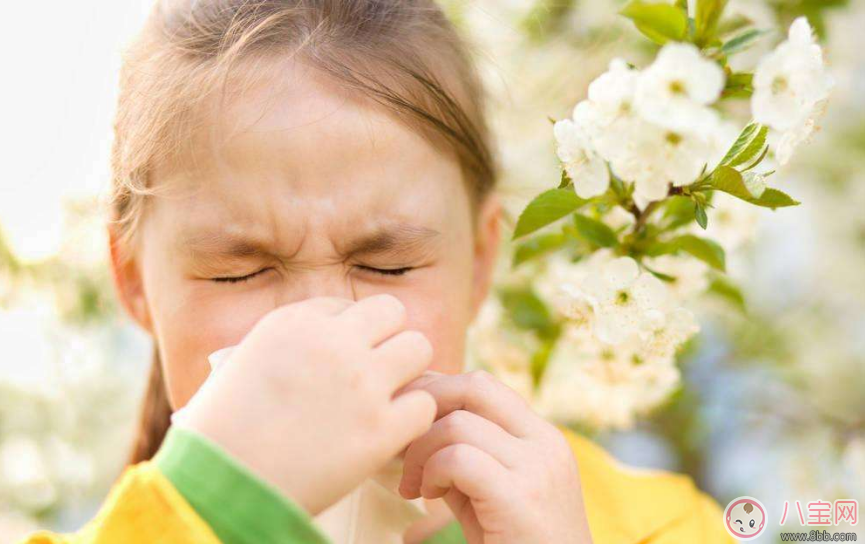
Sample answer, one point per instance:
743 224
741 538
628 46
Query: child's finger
411 416
413 384
464 511
458 427
402 357
483 394
471 470
376 318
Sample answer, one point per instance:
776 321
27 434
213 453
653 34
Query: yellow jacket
624 506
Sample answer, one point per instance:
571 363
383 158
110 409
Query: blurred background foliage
772 402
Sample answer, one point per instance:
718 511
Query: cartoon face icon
745 518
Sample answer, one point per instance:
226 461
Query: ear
487 236
127 281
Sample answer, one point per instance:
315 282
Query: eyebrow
223 244
392 238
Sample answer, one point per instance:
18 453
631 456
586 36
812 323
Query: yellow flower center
779 85
677 87
673 138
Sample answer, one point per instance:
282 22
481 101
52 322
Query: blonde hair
404 55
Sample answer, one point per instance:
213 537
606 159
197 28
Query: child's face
310 195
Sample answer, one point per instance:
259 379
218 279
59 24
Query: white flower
559 283
657 157
626 302
653 157
604 386
790 81
613 91
606 111
689 275
608 116
676 90
679 325
649 154
799 134
558 286
582 163
619 143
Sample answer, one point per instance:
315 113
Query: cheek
191 322
442 314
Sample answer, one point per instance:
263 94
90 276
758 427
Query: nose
332 281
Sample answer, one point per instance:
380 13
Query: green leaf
750 143
730 180
733 24
546 18
700 216
538 246
678 210
660 275
618 186
704 249
706 20
739 86
757 161
773 198
527 310
547 207
743 41
540 360
595 231
658 21
729 291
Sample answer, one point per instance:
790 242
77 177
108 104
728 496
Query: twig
642 216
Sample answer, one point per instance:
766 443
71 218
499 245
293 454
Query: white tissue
373 513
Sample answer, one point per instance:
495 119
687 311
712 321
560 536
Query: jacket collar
626 505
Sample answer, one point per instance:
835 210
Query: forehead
298 146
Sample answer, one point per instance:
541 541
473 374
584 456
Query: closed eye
238 279
386 271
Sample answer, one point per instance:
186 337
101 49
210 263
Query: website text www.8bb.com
818 535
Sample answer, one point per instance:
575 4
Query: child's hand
508 475
305 400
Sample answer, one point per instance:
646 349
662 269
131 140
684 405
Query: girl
311 181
